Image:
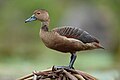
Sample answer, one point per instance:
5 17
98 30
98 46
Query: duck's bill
32 18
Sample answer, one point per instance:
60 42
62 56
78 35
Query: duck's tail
100 46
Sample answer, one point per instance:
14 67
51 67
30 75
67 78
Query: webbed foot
63 67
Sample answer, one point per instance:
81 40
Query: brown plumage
76 33
64 39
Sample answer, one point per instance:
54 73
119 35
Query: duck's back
76 33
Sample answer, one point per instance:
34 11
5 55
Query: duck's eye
38 13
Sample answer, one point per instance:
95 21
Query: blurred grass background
22 51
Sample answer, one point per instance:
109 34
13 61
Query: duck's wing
76 33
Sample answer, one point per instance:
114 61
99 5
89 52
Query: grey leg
72 60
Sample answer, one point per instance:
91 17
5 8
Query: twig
30 75
25 77
69 75
58 74
86 75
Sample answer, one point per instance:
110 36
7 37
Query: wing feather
76 33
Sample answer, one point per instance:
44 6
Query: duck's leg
72 60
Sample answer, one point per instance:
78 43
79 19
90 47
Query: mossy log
59 74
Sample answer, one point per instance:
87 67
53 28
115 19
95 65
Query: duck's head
39 14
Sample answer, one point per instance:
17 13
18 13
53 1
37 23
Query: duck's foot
62 67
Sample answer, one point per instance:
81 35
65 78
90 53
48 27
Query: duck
66 39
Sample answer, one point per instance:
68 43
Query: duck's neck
45 25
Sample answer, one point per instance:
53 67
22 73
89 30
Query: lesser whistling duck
64 39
